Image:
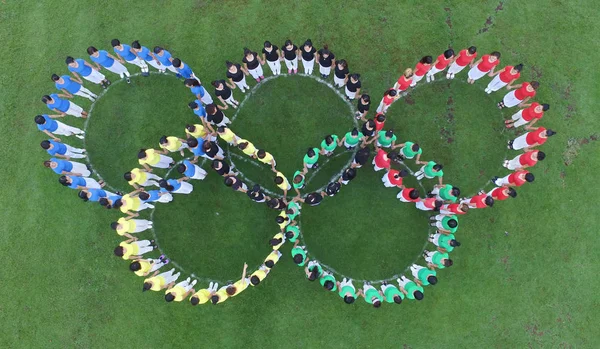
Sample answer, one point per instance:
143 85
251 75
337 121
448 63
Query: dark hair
279 219
308 42
426 60
447 262
229 181
163 140
328 139
354 76
432 279
380 118
453 223
415 147
438 204
144 196
278 180
114 225
529 177
136 44
176 62
141 154
230 290
169 297
393 155
46 99
269 264
83 195
118 203
310 152
535 85
45 144
541 155
328 285
216 83
69 60
418 295
512 193
135 266
389 133
163 183
518 67
472 49
414 194
273 203
229 64
181 168
314 274
47 163
438 167
397 299
550 133
193 105
214 299
391 92
454 243
348 299
242 145
354 132
455 191
119 251
448 53
211 108
63 180
146 286
103 201
157 49
298 258
39 119
127 176
254 280
192 82
192 142
343 63
115 42
545 106
268 44
495 54
289 234
377 303
325 50
91 50
55 77
275 242
489 201
366 98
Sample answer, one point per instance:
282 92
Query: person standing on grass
103 59
131 203
502 193
481 200
259 275
64 167
277 241
311 159
236 75
213 151
139 177
429 204
515 179
299 254
134 249
441 62
184 70
198 91
125 226
528 116
172 144
176 186
326 60
332 188
215 116
203 295
408 195
410 289
110 200
404 81
253 64
371 294
298 181
266 158
446 192
363 105
422 67
290 56
408 150
272 259
454 209
160 281
391 293
313 270
445 223
236 184
528 159
521 94
240 285
485 65
465 57
351 139
504 77
151 157
79 67
165 59
529 140
272 55
347 290
143 267
430 170
125 53
445 243
247 148
340 74
393 178
180 291
328 281
308 57
227 135
224 94
256 194
423 276
282 183
221 167
80 183
353 86
94 195
145 54
63 107
328 145
51 127
61 150
386 139
383 160
73 86
191 171
198 109
157 195
437 259
389 97
368 129
347 175
361 157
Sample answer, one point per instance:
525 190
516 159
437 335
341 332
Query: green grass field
523 276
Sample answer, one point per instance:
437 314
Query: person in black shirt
347 175
212 150
313 199
340 73
256 194
290 55
224 94
308 57
326 60
369 129
253 64
361 157
236 184
363 105
222 168
215 116
353 86
237 76
271 54
277 204
332 189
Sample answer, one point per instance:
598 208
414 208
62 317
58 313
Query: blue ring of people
202 141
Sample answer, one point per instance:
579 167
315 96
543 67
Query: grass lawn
523 276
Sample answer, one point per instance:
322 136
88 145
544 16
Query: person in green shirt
408 150
445 243
328 281
293 210
313 270
446 192
298 181
310 159
299 254
329 144
423 276
444 223
292 232
371 295
347 290
430 170
352 138
437 259
410 289
391 293
386 139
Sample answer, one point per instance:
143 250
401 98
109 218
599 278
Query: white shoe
79 136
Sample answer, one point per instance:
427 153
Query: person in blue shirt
110 200
61 150
124 52
56 103
176 186
184 69
164 57
79 67
72 86
51 127
64 167
161 195
94 195
198 109
196 146
148 56
191 171
80 183
199 91
103 59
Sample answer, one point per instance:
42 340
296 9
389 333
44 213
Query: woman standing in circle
290 55
271 54
421 69
237 76
465 57
389 97
224 94
326 59
340 73
144 53
485 64
198 90
440 64
308 57
504 77
353 86
253 64
363 107
404 81
522 93
529 115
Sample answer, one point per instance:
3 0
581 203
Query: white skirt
476 74
510 100
350 95
518 118
520 142
337 81
324 70
185 188
308 66
455 68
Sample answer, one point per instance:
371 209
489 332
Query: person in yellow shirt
138 177
272 259
282 183
151 157
240 285
247 148
227 135
277 241
220 296
131 203
160 281
197 131
266 158
172 144
143 267
134 249
203 295
126 226
259 275
282 220
180 291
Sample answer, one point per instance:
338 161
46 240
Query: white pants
80 168
432 72
141 225
338 82
220 154
144 205
518 118
402 281
496 84
144 246
164 162
502 181
291 65
386 181
416 79
95 77
510 100
91 183
435 239
324 70
476 74
66 130
185 188
520 142
154 63
429 256
84 92
242 84
421 173
231 101
199 173
421 206
275 67
382 108
155 264
514 163
347 282
151 179
455 69
256 73
308 66
207 98
444 211
140 63
401 198
224 122
171 68
348 146
74 153
213 286
165 198
74 110
414 269
375 167
169 276
186 284
118 68
349 94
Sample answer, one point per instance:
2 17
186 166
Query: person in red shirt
408 195
504 77
379 123
421 69
429 204
525 160
481 200
393 178
389 97
531 139
523 93
404 81
485 65
528 116
441 63
515 179
502 193
383 160
465 57
453 209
